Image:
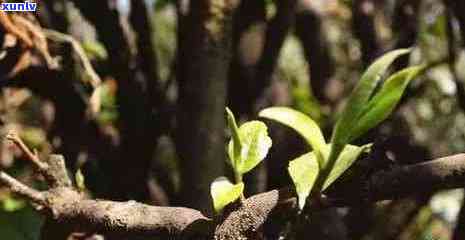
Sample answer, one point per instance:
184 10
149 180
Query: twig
61 37
9 26
22 190
95 80
38 38
33 156
47 170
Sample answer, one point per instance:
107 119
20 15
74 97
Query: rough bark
239 221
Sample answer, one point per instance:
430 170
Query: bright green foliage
382 104
249 144
364 110
357 102
303 171
94 50
255 144
301 123
344 161
236 140
80 181
11 204
224 192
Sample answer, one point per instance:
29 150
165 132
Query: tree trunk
204 57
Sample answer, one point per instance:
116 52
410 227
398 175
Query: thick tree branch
402 181
242 221
131 219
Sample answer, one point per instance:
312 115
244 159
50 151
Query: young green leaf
236 143
343 162
301 123
255 145
359 98
80 181
223 192
384 101
11 204
354 108
304 171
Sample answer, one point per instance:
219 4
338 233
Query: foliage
326 162
80 180
364 110
224 192
304 172
247 148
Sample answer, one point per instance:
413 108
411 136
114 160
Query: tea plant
371 102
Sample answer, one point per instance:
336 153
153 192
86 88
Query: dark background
169 68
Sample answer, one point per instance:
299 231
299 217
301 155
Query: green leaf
11 204
223 192
384 102
301 123
80 181
343 162
304 171
94 50
354 108
255 145
358 100
236 143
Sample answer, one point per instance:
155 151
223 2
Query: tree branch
131 219
21 189
241 221
402 181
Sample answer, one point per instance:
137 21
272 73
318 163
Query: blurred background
150 126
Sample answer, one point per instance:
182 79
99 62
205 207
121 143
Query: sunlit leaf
360 96
223 192
304 171
11 204
236 145
356 104
382 104
255 145
343 162
94 50
80 181
300 122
